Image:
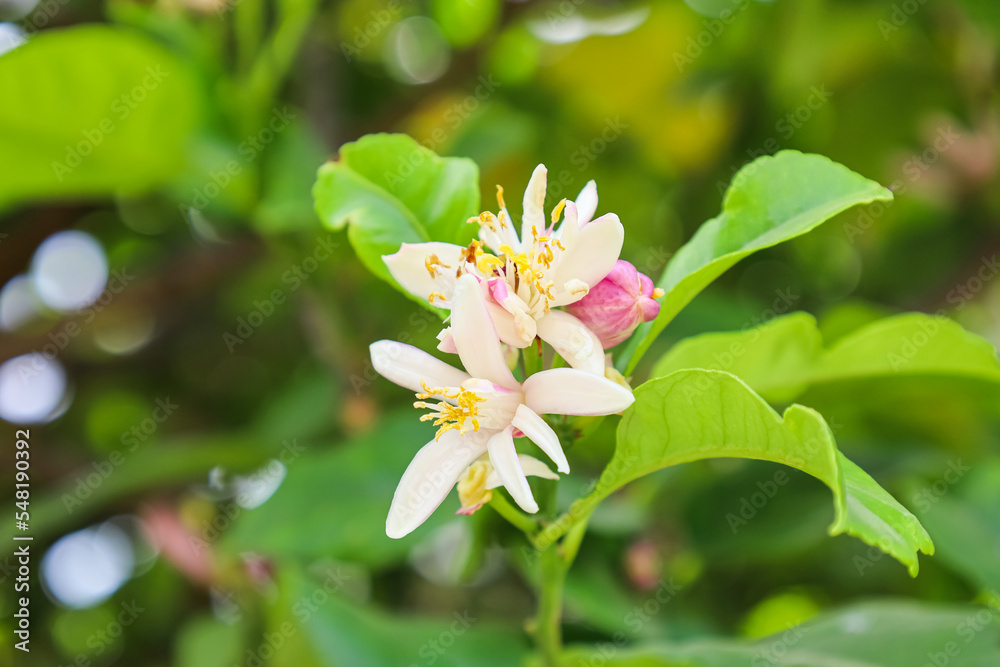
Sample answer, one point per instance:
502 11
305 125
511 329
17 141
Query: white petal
476 336
586 202
428 479
407 366
408 266
574 342
522 325
540 433
531 466
534 205
515 333
569 228
567 391
594 252
503 456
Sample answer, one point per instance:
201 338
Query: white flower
525 277
481 410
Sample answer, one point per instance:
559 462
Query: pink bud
614 307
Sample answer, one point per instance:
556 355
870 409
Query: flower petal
533 214
428 479
476 336
593 253
540 433
524 329
407 366
409 267
503 456
574 342
586 202
568 391
531 466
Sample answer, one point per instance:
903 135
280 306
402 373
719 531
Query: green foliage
692 415
387 189
874 634
782 358
771 200
326 630
339 498
93 111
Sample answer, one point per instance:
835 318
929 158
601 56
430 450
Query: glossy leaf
93 111
782 358
387 190
692 415
874 634
771 200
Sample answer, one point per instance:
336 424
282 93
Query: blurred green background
213 455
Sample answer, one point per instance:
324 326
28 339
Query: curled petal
428 479
503 456
574 342
407 366
534 205
568 391
586 202
424 268
593 254
534 427
531 466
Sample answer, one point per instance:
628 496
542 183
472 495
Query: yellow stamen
557 211
435 295
447 416
500 197
431 262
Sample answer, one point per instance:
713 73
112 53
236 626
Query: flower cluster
503 291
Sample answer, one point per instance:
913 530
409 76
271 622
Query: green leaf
205 641
389 190
771 200
961 510
320 627
339 498
782 358
92 111
692 415
873 634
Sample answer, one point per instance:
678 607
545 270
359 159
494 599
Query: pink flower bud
614 307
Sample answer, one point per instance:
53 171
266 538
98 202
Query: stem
548 628
532 361
512 515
